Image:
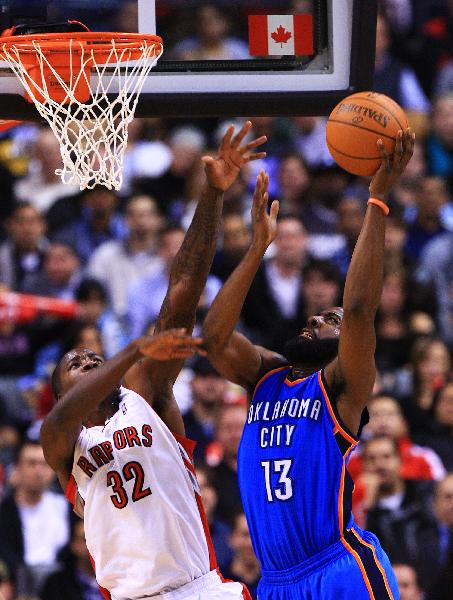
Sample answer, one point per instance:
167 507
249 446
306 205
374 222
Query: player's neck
302 371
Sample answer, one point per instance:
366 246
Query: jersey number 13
283 490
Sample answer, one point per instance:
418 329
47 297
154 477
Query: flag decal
279 35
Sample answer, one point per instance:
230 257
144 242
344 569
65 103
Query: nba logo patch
124 409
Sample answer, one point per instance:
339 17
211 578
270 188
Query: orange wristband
382 205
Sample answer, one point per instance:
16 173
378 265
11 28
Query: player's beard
300 350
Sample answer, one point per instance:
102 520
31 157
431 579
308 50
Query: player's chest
284 421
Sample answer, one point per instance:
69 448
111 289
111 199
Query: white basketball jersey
145 525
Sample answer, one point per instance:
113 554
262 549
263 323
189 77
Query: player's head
317 343
74 365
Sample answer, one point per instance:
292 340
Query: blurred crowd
108 255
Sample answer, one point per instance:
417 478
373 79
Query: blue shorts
356 568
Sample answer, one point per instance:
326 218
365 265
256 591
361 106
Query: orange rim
100 42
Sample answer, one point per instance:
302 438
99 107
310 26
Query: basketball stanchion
86 85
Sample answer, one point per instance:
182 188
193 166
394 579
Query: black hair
325 268
90 287
24 444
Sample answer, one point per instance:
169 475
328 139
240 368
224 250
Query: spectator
408 584
94 309
244 566
402 308
351 212
436 265
60 275
34 521
386 419
399 514
186 144
310 141
134 256
42 186
75 579
235 243
274 304
434 35
97 222
22 252
220 531
145 296
429 370
322 287
146 156
439 547
439 143
319 214
224 476
443 544
7 587
439 434
208 395
212 41
293 183
431 200
397 80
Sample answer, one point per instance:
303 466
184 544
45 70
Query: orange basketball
356 124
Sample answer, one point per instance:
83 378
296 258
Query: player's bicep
242 362
355 369
58 442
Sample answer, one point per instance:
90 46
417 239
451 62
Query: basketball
356 124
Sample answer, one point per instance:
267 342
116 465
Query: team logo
357 120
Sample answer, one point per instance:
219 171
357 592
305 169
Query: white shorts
207 587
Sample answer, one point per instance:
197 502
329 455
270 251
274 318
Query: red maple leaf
281 36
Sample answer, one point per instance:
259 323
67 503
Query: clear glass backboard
225 57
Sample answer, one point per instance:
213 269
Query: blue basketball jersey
295 487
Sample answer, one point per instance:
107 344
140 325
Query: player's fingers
399 150
408 144
241 135
275 207
384 155
180 355
226 141
255 156
207 160
254 144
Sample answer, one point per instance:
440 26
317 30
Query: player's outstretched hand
264 224
173 344
222 170
392 166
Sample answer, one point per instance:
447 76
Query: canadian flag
277 35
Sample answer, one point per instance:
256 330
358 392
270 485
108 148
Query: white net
92 134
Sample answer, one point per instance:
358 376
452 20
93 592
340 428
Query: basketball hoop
71 79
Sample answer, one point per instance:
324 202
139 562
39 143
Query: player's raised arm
86 387
191 265
351 376
233 355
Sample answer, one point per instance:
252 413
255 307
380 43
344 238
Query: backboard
225 57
